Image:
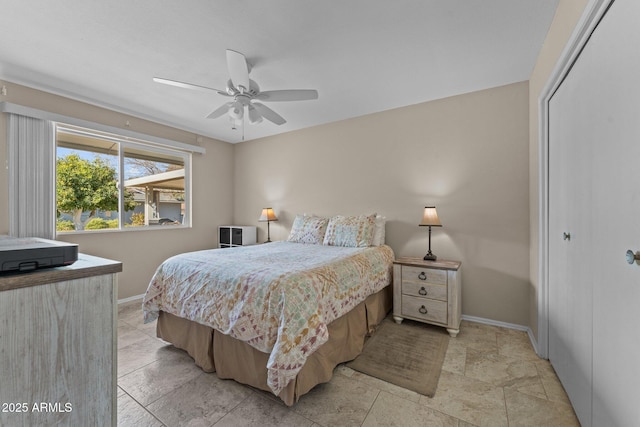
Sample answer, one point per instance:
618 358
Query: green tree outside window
87 186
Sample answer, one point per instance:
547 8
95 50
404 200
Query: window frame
123 143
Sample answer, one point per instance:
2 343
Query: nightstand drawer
425 309
426 275
425 290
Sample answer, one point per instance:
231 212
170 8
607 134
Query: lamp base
268 233
430 257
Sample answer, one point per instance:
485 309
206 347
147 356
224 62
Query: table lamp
268 215
430 219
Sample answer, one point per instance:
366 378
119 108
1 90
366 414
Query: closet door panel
558 251
614 56
570 246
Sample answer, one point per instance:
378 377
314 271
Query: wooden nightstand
428 291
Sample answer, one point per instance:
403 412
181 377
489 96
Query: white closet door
570 250
614 117
595 124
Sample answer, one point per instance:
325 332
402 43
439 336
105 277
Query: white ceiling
363 56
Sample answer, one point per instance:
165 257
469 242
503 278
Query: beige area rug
409 355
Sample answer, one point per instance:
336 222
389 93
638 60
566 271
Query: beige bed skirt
233 359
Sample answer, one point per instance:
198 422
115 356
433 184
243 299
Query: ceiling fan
246 94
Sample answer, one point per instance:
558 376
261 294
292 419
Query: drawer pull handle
423 309
422 291
422 276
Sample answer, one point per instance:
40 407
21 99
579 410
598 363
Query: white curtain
31 155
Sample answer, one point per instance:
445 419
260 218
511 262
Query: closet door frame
594 11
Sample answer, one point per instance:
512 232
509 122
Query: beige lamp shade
430 217
268 215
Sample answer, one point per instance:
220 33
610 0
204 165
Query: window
106 181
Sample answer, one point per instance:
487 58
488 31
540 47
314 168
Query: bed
278 316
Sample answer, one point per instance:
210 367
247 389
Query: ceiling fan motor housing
234 90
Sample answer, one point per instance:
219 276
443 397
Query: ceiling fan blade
188 85
238 69
287 95
269 114
220 111
254 115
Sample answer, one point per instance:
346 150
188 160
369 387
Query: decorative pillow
352 231
379 231
308 229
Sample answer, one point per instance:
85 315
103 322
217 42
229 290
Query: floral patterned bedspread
278 297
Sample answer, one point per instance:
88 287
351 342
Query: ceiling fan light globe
254 116
236 111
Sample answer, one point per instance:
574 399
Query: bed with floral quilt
259 313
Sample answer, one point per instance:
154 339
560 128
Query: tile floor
491 377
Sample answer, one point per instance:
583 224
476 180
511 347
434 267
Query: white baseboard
505 325
133 298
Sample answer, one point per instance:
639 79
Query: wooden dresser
58 353
428 291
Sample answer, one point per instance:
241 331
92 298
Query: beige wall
140 251
564 22
467 155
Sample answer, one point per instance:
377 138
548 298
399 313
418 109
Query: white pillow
379 231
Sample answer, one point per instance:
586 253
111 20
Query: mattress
278 298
